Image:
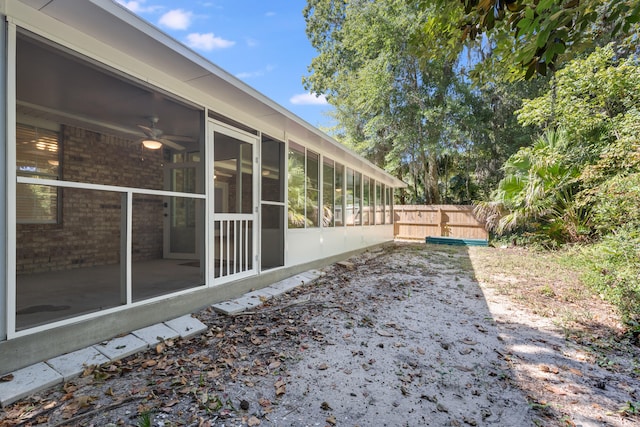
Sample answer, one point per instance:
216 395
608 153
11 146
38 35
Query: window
296 190
37 156
313 189
304 187
357 199
349 198
328 193
379 203
339 195
272 170
388 208
366 200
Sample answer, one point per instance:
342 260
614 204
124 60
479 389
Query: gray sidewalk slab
27 381
288 284
72 364
121 347
156 333
310 276
263 294
186 326
229 307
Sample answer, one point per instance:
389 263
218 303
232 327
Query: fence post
441 222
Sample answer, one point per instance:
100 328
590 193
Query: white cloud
207 41
138 6
308 99
176 19
259 73
252 42
270 14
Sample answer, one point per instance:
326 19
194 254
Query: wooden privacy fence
415 222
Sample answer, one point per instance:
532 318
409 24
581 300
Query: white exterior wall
306 245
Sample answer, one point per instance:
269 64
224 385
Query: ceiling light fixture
151 144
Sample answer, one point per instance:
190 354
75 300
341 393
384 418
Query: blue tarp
456 241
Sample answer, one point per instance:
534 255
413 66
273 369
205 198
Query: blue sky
262 42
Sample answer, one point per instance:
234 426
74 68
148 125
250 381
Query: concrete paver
186 326
288 284
27 381
156 333
262 294
121 347
229 307
72 364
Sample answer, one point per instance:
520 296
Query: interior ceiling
57 86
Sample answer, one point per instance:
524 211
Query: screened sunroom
143 182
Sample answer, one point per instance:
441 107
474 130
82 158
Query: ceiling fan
154 139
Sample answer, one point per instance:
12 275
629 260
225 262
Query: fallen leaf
323 367
384 333
6 378
325 406
281 387
331 420
253 421
264 402
149 363
551 369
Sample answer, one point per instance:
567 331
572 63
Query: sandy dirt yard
406 334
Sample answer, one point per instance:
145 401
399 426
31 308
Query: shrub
613 270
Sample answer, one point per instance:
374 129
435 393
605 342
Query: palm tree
537 192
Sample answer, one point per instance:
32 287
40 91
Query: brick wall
88 233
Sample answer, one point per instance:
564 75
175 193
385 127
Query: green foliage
537 192
544 33
613 270
586 185
589 96
394 71
616 203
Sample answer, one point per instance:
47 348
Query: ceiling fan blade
147 131
171 144
180 138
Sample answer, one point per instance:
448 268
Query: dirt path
400 336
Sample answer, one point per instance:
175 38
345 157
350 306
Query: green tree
536 35
595 100
401 109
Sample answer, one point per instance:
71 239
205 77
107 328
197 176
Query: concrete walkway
43 375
